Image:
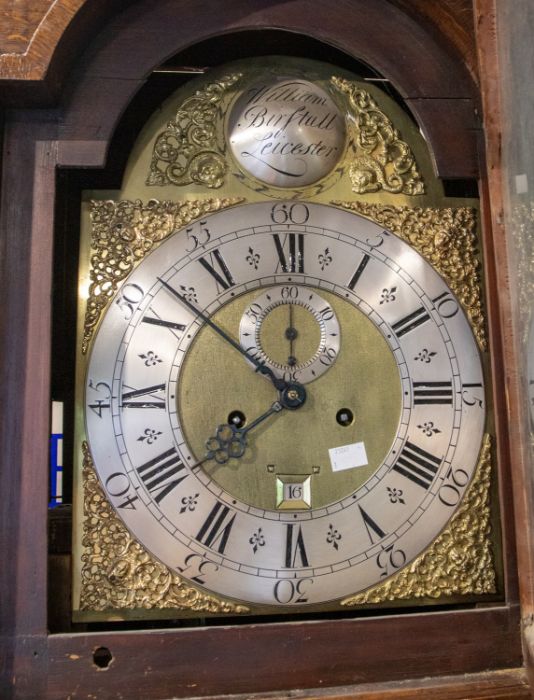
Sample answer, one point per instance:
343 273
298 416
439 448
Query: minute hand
279 383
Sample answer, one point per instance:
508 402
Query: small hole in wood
102 657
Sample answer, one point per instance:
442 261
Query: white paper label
348 457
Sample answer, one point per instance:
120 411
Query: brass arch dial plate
384 443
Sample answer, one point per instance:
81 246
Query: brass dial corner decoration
447 239
459 562
383 161
123 232
119 574
192 148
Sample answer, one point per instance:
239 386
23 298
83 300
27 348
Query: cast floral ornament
118 573
191 149
123 232
459 562
447 239
383 161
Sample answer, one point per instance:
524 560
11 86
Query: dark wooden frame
77 133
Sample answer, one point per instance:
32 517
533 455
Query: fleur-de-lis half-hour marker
395 495
189 503
425 355
150 435
253 258
388 295
333 536
189 293
428 429
257 540
325 259
150 358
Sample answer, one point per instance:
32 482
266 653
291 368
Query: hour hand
230 442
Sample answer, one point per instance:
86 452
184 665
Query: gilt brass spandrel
122 233
382 160
447 238
119 574
192 148
459 562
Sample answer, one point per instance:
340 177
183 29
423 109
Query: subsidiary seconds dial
288 406
293 330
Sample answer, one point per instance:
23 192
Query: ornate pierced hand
230 441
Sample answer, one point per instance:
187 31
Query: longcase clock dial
293 405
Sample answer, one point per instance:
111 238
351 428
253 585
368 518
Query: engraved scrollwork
123 232
383 161
459 562
447 239
191 148
118 573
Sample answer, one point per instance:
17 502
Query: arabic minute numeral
327 356
196 567
289 292
378 240
449 493
118 485
326 314
288 592
389 560
254 312
197 235
99 405
128 298
472 398
290 213
446 305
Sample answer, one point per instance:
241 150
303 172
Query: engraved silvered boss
286 132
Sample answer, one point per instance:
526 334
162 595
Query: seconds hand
279 384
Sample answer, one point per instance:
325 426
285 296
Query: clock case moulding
387 178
